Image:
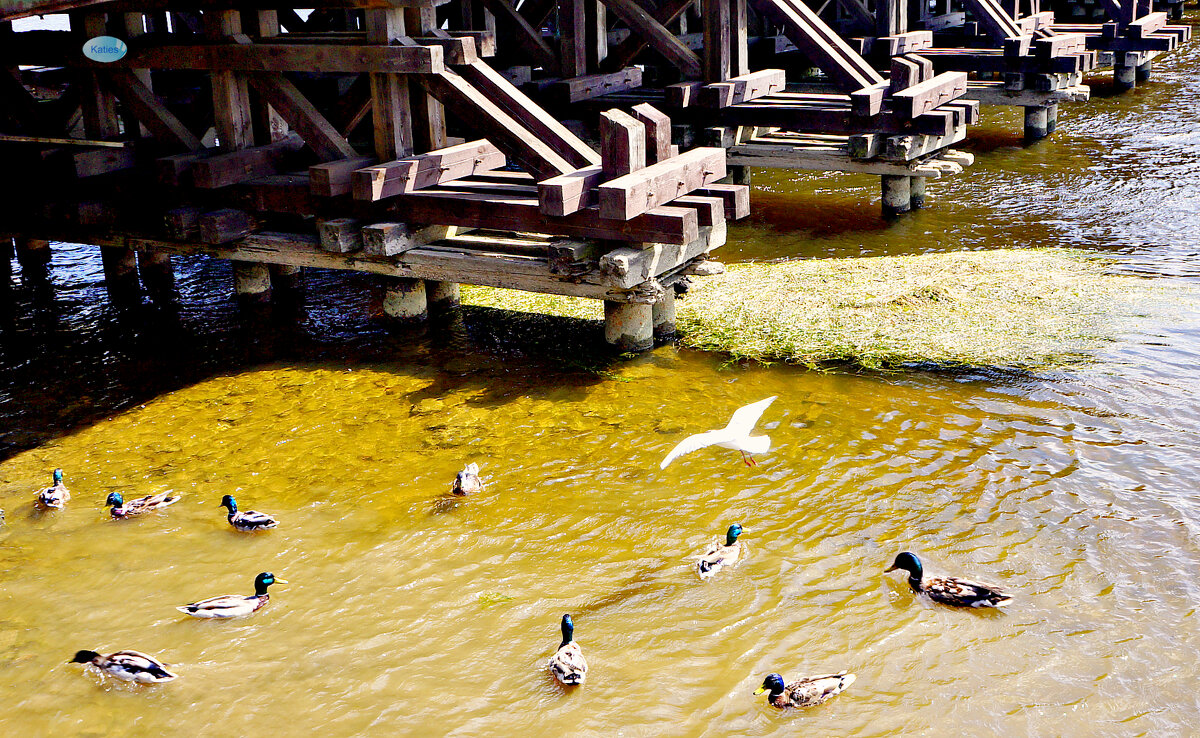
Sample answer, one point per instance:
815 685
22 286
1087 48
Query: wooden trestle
582 147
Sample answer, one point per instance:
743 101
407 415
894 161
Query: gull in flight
736 435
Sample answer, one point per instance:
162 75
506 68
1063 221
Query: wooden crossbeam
571 192
992 19
527 36
353 107
302 116
828 118
425 170
482 113
587 87
517 104
150 111
657 36
735 197
623 54
1146 25
222 170
925 96
820 43
647 188
456 49
658 132
622 143
869 100
742 88
333 178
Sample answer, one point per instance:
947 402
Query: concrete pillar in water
739 174
1124 75
158 277
1141 72
33 254
284 277
897 195
251 281
441 295
1036 123
1051 117
663 315
120 272
916 190
404 299
629 326
6 255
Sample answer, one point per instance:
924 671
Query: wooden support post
897 195
429 117
269 125
404 299
389 92
231 93
597 32
622 143
158 276
739 56
1051 117
1036 123
33 254
6 256
572 28
1142 71
663 316
629 326
251 281
718 38
916 187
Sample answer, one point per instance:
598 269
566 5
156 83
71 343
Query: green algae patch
1020 308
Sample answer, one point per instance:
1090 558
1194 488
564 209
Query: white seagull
736 435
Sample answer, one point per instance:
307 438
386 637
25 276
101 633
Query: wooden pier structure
595 148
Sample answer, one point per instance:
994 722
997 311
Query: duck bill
760 690
281 581
890 568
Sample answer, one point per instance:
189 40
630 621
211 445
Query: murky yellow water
411 613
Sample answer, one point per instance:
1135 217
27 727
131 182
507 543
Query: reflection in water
411 613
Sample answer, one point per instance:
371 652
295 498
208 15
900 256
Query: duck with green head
568 664
128 666
56 496
142 505
806 692
721 555
234 606
247 520
949 590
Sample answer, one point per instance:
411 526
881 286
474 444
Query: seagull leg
748 459
752 461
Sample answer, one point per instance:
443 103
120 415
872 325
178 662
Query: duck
568 664
807 692
128 666
234 606
467 481
949 590
56 496
140 506
247 520
721 555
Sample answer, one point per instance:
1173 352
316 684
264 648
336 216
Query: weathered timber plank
94 162
658 132
594 85
622 143
150 111
456 49
571 192
656 35
819 43
718 40
332 179
683 94
710 211
223 226
831 119
735 197
623 54
302 116
423 170
389 239
743 88
222 170
869 100
629 266
340 235
925 96
635 193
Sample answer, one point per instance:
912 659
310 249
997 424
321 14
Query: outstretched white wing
745 418
693 443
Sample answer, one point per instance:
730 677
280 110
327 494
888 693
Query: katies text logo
105 49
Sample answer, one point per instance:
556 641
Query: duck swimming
128 666
806 692
234 606
56 496
568 664
467 481
949 590
247 520
142 505
719 556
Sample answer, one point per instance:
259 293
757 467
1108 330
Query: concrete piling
404 299
897 195
1037 124
629 326
663 316
251 281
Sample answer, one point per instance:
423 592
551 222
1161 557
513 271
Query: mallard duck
718 555
568 664
949 590
467 481
247 520
234 606
806 692
140 506
128 666
54 497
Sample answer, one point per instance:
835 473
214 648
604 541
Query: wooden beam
657 36
623 54
645 189
150 111
302 116
820 43
718 38
571 192
741 89
332 179
230 91
925 96
735 197
572 45
236 166
425 170
391 110
528 38
869 100
622 144
658 132
577 89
